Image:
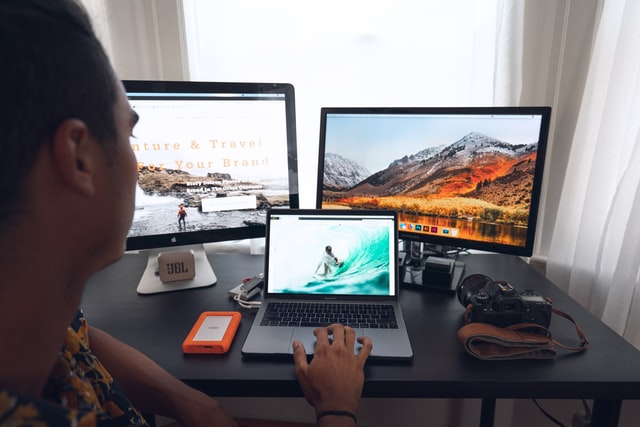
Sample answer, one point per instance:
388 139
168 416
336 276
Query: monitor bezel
452 242
227 234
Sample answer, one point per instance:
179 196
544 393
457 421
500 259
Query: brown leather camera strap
518 341
583 339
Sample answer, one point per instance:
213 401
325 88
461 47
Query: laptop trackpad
306 337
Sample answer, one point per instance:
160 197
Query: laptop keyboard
323 314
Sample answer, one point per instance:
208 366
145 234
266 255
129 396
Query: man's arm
150 388
333 380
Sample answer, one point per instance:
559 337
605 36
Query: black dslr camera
500 304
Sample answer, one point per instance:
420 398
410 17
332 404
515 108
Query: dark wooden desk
609 371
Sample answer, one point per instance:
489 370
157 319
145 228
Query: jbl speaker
174 266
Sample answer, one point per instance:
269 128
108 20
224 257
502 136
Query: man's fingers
349 337
322 339
364 352
338 332
300 357
343 335
302 367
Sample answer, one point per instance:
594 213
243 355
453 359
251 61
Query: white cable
246 304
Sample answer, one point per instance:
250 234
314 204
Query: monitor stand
423 270
150 282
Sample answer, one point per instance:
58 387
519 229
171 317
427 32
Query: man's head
52 68
67 171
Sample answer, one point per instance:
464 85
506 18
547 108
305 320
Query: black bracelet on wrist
338 413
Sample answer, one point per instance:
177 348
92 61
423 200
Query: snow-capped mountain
425 154
475 166
340 173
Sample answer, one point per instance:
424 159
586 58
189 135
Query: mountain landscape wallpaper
468 183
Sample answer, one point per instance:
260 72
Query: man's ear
74 156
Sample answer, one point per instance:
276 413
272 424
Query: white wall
144 39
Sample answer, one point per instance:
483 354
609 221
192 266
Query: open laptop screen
331 253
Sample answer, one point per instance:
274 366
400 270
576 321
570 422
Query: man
67 177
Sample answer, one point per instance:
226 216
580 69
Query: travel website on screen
208 164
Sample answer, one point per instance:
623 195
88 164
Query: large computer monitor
222 152
459 177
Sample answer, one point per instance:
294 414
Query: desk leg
487 412
606 412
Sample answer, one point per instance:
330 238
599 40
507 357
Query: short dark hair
52 68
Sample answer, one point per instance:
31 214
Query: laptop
327 266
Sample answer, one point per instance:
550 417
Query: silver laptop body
343 258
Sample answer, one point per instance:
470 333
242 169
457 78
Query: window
348 53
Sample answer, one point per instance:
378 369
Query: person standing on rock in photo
182 214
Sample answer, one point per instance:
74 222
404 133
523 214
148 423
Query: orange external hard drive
213 332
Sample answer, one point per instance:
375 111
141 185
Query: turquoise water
364 254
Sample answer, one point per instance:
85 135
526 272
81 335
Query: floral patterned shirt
79 393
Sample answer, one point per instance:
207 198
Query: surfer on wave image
328 265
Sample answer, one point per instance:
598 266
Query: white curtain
143 38
595 249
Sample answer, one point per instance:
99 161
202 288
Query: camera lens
470 286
